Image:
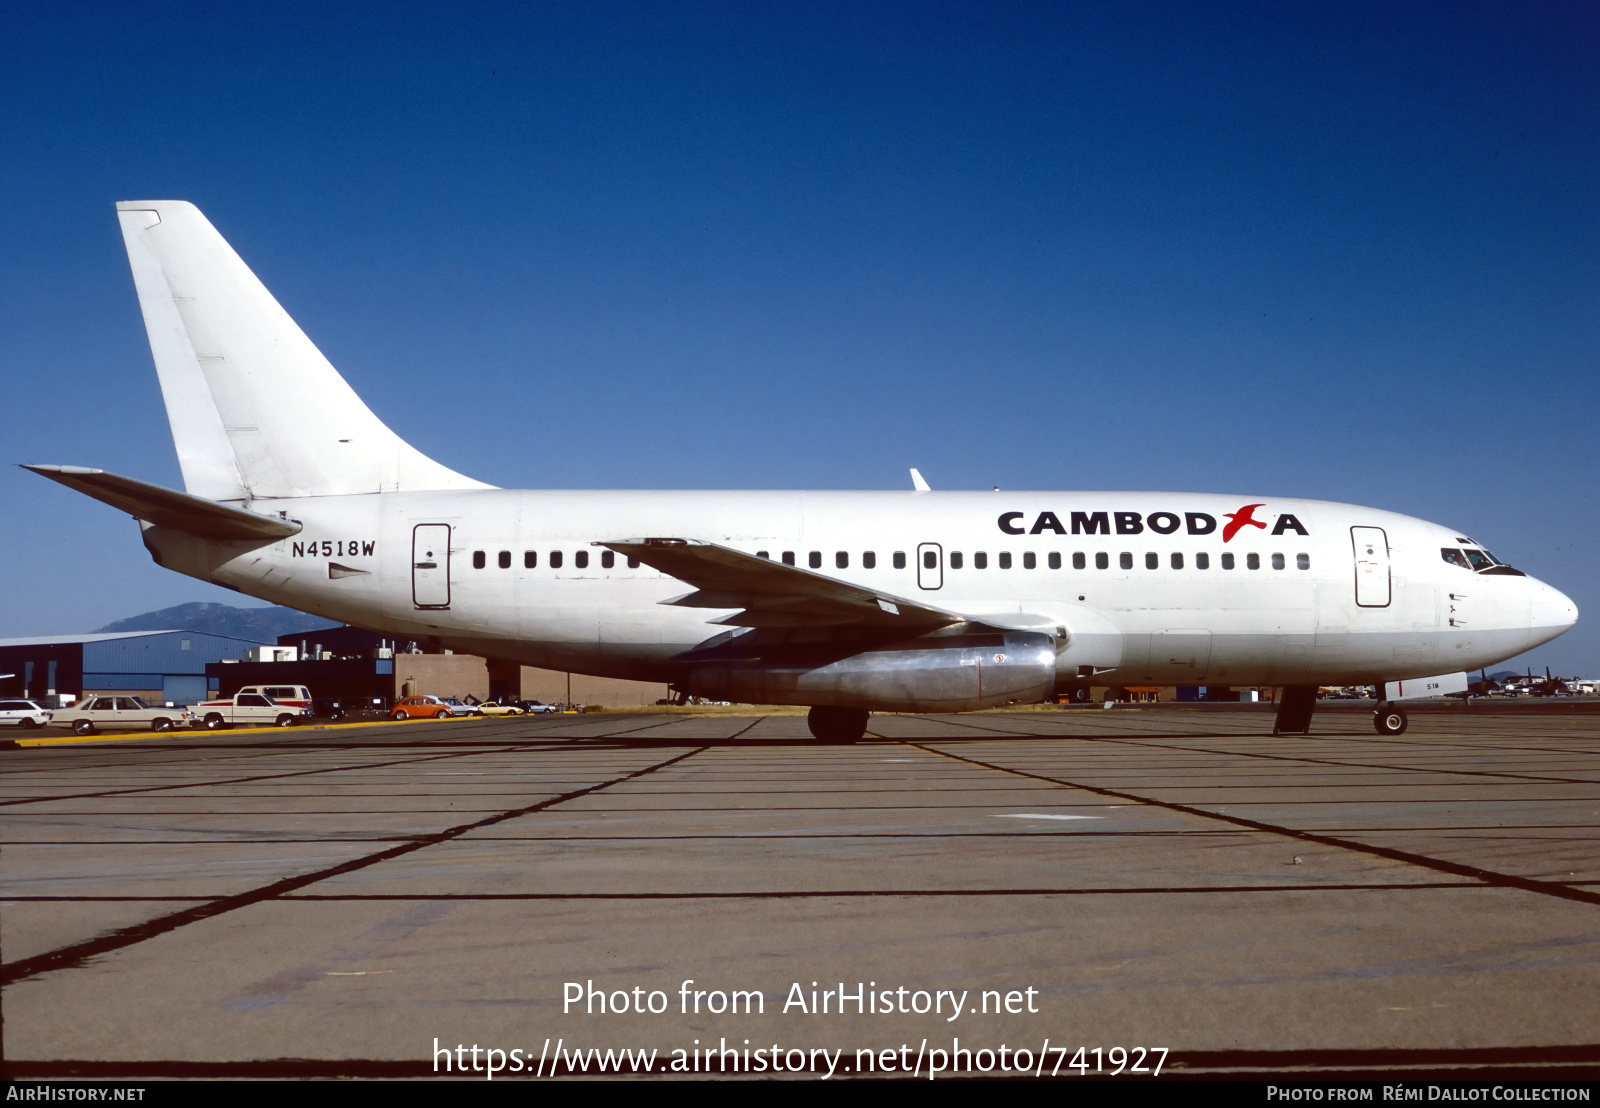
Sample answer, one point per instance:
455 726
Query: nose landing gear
1389 720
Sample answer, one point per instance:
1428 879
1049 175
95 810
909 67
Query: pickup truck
247 708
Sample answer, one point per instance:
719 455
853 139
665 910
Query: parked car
327 709
421 707
117 713
495 708
459 707
247 708
534 707
24 713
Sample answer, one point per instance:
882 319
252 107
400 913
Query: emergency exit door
430 565
1372 566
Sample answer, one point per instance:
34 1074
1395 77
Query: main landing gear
837 725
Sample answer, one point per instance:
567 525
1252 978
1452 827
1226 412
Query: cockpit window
1479 561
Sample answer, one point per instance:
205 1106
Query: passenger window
930 560
633 563
869 560
608 559
899 559
555 559
1227 561
1202 560
980 560
1454 557
1102 560
505 559
530 559
841 560
1078 560
581 559
1277 561
1005 559
1177 560
1055 559
1029 561
763 554
814 559
1152 560
788 557
1302 561
1125 560
1252 561
479 560
955 559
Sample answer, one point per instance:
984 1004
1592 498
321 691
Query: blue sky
1342 251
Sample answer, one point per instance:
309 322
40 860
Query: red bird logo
1244 516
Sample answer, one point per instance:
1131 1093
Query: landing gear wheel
837 725
1390 721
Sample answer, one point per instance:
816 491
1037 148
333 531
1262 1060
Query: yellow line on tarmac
141 736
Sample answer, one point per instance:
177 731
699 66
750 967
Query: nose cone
1550 613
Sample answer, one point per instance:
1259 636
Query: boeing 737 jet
849 602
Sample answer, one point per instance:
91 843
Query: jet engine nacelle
1014 667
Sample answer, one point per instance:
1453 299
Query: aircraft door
1372 566
930 566
430 565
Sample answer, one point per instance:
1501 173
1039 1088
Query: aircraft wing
166 508
772 594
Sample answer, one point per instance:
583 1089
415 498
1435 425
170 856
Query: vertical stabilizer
256 410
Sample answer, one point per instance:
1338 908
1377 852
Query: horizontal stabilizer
166 508
773 594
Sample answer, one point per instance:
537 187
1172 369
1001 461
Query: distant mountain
255 624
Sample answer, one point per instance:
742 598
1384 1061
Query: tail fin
256 410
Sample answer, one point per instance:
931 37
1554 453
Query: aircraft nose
1551 612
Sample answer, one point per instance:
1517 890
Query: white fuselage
1338 595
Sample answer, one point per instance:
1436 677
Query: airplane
918 601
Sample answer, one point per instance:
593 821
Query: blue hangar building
160 666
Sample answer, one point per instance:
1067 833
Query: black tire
1390 721
214 722
26 724
400 716
83 727
161 724
837 725
284 720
